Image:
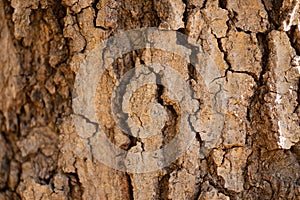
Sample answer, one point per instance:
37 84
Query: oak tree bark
256 47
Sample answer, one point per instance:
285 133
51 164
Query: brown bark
254 44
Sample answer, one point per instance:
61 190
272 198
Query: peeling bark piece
216 18
90 33
212 17
232 168
171 12
282 80
239 95
243 52
250 15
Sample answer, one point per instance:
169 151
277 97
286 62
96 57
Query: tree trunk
221 81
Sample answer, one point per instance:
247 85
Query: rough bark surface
256 46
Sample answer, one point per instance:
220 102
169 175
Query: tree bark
249 148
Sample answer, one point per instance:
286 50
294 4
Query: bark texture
256 46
